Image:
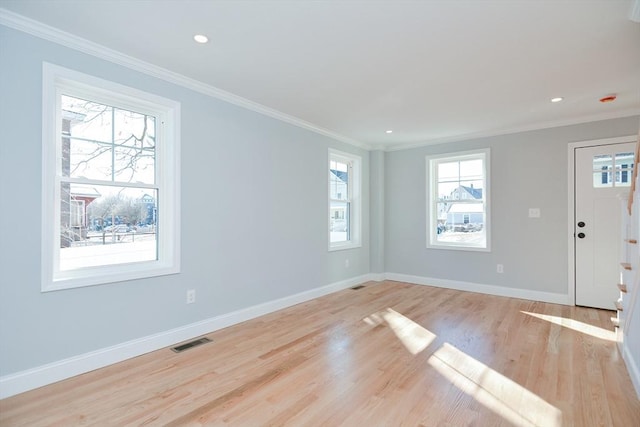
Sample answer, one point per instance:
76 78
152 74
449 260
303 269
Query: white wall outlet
500 268
534 212
191 296
346 263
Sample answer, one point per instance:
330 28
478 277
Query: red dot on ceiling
609 98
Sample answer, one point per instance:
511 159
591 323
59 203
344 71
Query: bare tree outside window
107 193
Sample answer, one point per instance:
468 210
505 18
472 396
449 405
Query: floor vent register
190 344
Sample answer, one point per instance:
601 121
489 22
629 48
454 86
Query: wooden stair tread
626 265
619 306
622 287
632 241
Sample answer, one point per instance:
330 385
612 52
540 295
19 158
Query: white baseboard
52 372
481 288
632 367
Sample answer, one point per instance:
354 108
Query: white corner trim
482 288
30 379
634 14
46 32
632 368
377 277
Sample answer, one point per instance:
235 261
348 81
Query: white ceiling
433 71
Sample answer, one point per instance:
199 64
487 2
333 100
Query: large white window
344 200
458 201
110 182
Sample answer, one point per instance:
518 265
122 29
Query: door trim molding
571 147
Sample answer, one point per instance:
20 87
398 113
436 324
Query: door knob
581 224
581 235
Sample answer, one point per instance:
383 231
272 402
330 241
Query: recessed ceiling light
389 131
201 38
558 99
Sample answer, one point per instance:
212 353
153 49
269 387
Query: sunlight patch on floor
414 337
496 392
491 389
576 325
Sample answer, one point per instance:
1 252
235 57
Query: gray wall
254 217
528 170
376 181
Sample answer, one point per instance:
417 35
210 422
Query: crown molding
498 132
46 32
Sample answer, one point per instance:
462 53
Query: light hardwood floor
390 354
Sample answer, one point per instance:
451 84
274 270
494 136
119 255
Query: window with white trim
458 201
110 182
344 200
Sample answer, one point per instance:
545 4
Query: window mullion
113 144
350 180
87 181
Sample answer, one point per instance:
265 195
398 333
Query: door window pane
602 168
613 171
624 169
602 179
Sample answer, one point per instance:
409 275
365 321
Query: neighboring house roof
73 116
79 190
476 193
343 176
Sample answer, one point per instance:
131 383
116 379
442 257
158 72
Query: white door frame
571 286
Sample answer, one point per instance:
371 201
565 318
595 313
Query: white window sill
105 275
344 246
459 248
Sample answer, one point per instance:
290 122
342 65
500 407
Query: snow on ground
92 253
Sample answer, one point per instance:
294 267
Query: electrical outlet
534 212
191 296
346 263
500 268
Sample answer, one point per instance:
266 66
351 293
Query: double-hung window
344 200
458 201
110 182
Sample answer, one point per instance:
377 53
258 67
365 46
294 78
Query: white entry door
602 180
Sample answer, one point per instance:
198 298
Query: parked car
338 225
120 228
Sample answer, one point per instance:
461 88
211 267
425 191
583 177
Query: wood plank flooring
390 354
